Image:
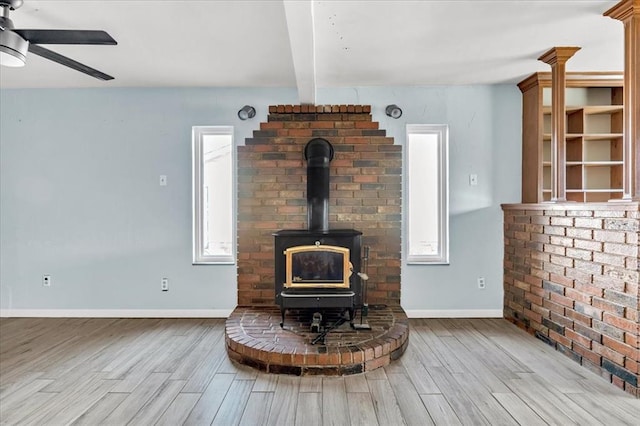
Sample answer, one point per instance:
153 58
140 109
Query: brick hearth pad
253 337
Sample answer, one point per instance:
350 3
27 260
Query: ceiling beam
299 16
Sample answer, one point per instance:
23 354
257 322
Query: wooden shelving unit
594 133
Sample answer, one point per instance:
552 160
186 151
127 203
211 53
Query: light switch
473 179
163 180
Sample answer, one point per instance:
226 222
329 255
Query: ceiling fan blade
66 37
68 62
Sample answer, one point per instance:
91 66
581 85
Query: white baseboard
454 313
116 313
215 313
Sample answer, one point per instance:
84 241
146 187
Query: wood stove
320 291
316 268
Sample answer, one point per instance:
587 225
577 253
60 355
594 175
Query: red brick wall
571 278
365 185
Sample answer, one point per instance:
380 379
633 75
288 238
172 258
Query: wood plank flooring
175 371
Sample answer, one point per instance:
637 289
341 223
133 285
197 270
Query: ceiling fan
14 43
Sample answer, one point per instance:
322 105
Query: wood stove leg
316 322
282 312
352 314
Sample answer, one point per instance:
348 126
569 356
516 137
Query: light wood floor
175 371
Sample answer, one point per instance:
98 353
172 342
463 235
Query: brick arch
366 193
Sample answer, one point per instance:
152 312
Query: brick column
571 279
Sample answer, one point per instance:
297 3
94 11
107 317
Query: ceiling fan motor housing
11 4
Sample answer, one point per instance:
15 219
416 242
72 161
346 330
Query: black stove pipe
318 152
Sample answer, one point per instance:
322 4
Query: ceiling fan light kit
13 49
14 43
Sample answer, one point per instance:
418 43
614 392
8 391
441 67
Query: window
213 200
426 152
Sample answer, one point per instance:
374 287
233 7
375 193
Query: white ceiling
318 44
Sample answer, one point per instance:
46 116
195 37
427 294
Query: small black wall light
393 111
246 112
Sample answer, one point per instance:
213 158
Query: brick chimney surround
365 194
365 185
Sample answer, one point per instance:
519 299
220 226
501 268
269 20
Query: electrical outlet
163 180
46 280
473 179
481 283
164 284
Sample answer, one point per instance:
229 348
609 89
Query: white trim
442 133
454 313
198 133
115 313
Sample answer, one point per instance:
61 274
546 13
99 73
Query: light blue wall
80 198
484 139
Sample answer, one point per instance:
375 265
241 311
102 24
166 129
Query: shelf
593 163
592 196
568 109
602 163
593 158
588 120
602 109
588 109
547 136
587 136
601 136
